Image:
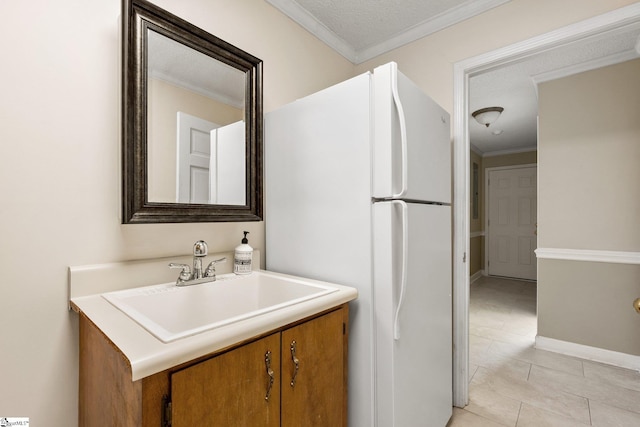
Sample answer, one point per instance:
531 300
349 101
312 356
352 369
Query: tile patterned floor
513 384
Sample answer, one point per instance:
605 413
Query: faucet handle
185 274
211 268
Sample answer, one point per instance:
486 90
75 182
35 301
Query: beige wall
589 160
476 255
476 225
60 112
589 182
589 303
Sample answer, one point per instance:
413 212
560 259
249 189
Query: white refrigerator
358 192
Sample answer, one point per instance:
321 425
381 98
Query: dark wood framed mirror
192 122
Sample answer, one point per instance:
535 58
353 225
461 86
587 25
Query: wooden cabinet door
230 389
315 395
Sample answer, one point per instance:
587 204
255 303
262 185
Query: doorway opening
601 26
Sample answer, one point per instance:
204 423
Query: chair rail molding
615 257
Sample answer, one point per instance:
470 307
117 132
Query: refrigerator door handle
403 275
403 132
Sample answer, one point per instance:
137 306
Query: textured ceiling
363 29
513 87
377 20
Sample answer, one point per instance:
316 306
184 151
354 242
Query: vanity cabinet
293 376
314 373
234 388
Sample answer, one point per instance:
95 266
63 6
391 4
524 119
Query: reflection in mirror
192 122
196 128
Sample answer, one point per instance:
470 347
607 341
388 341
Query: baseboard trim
615 257
475 276
594 354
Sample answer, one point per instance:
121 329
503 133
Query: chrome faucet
200 250
187 277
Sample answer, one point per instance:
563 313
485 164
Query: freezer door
412 144
412 301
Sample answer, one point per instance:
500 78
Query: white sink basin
170 312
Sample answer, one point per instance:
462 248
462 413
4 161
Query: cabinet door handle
296 363
267 362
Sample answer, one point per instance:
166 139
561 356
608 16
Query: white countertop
148 355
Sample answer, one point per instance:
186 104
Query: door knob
636 304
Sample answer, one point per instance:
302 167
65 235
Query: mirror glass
192 135
196 136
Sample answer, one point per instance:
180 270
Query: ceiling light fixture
497 132
486 116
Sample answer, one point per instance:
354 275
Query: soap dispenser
243 257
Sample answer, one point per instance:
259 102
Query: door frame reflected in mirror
140 16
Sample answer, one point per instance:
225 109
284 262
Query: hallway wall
589 182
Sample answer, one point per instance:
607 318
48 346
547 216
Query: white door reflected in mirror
195 157
210 162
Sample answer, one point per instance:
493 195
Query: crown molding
476 150
172 80
309 22
453 16
512 151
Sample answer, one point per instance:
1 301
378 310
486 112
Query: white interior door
512 219
193 159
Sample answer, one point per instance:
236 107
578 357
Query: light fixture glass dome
486 116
